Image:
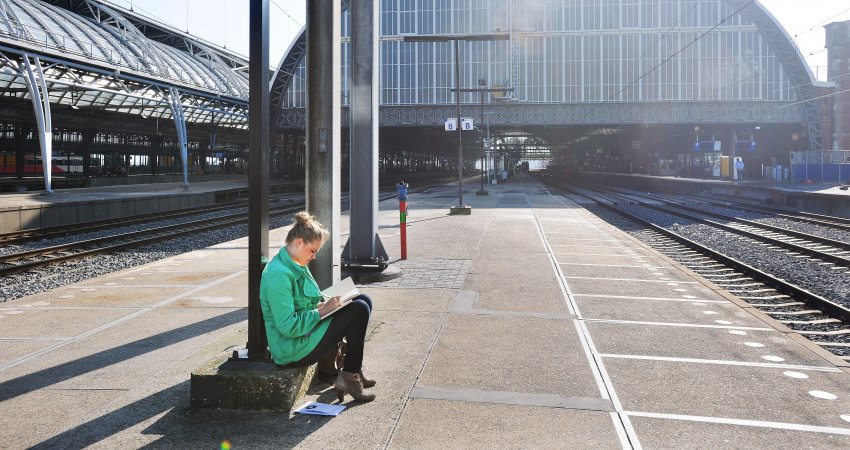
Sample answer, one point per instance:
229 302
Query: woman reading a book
293 308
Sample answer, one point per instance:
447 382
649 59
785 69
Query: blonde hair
307 228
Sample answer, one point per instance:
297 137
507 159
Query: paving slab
444 424
115 357
12 349
603 259
126 296
159 276
534 261
639 288
47 411
658 273
44 323
731 391
433 300
667 310
540 293
706 343
685 434
510 354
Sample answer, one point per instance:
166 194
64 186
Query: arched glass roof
116 42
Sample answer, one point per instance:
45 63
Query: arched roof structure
98 55
794 77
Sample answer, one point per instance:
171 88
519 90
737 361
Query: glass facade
572 51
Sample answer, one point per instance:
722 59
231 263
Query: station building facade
640 85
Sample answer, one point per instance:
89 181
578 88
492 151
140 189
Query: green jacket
288 296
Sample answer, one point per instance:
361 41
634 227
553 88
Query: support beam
182 141
364 245
41 104
322 185
258 196
20 153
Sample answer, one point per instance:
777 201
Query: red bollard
401 187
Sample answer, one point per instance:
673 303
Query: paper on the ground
320 409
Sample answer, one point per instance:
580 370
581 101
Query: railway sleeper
833 344
776 305
824 333
809 322
794 313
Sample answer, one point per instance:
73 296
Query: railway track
31 260
824 321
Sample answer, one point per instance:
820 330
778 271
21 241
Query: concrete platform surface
530 323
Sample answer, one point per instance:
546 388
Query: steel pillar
364 245
180 124
258 187
20 152
322 183
41 104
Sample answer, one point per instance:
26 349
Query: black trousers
349 322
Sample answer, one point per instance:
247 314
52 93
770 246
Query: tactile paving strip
429 274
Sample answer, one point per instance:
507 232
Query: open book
345 290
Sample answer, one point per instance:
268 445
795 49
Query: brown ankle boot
367 383
349 383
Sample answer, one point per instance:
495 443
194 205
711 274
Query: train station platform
529 324
33 210
816 198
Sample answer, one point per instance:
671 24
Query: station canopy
96 55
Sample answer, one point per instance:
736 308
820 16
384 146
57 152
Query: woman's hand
328 306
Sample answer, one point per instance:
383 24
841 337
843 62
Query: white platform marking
753 344
746 423
721 362
772 358
797 375
823 395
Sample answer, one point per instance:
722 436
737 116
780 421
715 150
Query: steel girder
82 88
137 40
531 114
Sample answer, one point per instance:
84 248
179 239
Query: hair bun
302 218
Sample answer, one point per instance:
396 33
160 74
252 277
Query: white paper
320 409
341 289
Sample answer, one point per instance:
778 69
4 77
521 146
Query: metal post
258 187
322 181
459 128
364 247
20 154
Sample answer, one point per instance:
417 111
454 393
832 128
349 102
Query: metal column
41 104
258 176
364 246
322 183
180 124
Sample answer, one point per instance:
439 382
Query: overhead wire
287 14
685 47
823 22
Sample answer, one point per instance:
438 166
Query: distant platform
33 210
808 197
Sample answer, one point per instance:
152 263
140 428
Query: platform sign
465 122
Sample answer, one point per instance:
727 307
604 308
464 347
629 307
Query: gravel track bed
753 255
813 276
10 249
51 277
768 219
